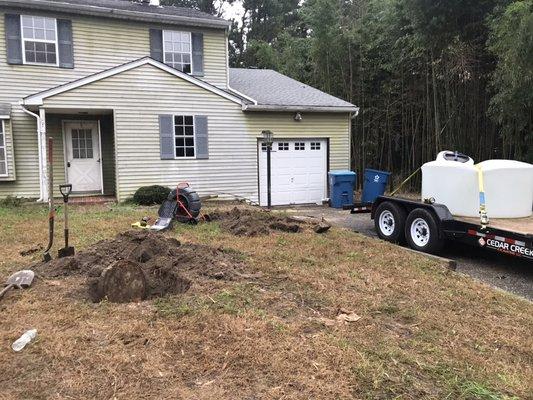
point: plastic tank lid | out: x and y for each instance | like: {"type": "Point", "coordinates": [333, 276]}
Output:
{"type": "Point", "coordinates": [342, 172]}
{"type": "Point", "coordinates": [503, 164]}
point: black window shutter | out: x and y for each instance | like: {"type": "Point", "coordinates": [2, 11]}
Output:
{"type": "Point", "coordinates": [201, 137]}
{"type": "Point", "coordinates": [13, 39]}
{"type": "Point", "coordinates": [66, 46]}
{"type": "Point", "coordinates": [166, 137]}
{"type": "Point", "coordinates": [197, 53]}
{"type": "Point", "coordinates": [156, 44]}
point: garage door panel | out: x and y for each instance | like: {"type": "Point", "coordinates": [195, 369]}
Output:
{"type": "Point", "coordinates": [298, 176]}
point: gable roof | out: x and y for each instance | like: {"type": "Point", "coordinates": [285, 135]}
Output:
{"type": "Point", "coordinates": [273, 91]}
{"type": "Point", "coordinates": [38, 98]}
{"type": "Point", "coordinates": [125, 9]}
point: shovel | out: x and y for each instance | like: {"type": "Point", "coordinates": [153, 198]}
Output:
{"type": "Point", "coordinates": [67, 250]}
{"type": "Point", "coordinates": [20, 280]}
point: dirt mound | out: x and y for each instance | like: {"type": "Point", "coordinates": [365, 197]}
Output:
{"type": "Point", "coordinates": [244, 222]}
{"type": "Point", "coordinates": [168, 266]}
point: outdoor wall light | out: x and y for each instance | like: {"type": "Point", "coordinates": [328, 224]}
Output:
{"type": "Point", "coordinates": [268, 138]}
{"type": "Point", "coordinates": [298, 117]}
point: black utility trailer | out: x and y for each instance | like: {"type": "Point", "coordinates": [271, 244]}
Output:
{"type": "Point", "coordinates": [427, 226]}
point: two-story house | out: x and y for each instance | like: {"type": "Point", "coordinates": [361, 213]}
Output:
{"type": "Point", "coordinates": [137, 94]}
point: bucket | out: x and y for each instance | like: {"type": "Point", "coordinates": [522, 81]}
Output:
{"type": "Point", "coordinates": [374, 184]}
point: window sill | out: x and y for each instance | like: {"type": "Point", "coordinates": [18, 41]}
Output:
{"type": "Point", "coordinates": [39, 65]}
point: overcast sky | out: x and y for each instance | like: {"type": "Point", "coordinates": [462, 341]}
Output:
{"type": "Point", "coordinates": [233, 11]}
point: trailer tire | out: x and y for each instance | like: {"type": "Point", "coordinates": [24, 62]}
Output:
{"type": "Point", "coordinates": [389, 221]}
{"type": "Point", "coordinates": [190, 200]}
{"type": "Point", "coordinates": [422, 232]}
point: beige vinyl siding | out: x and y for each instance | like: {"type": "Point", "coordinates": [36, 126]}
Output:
{"type": "Point", "coordinates": [99, 44]}
{"type": "Point", "coordinates": [139, 96]}
{"type": "Point", "coordinates": [335, 127]}
{"type": "Point", "coordinates": [8, 142]}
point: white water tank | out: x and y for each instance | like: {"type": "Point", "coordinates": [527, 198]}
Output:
{"type": "Point", "coordinates": [452, 180]}
{"type": "Point", "coordinates": [508, 188]}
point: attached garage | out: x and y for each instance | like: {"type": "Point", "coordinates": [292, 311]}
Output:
{"type": "Point", "coordinates": [298, 171]}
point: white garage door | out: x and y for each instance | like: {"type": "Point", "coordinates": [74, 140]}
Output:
{"type": "Point", "coordinates": [299, 172]}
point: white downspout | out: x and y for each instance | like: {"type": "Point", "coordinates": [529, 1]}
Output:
{"type": "Point", "coordinates": [42, 156]}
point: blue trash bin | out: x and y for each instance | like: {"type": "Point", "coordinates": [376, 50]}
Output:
{"type": "Point", "coordinates": [374, 184]}
{"type": "Point", "coordinates": [341, 186]}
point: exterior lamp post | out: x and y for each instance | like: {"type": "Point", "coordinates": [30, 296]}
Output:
{"type": "Point", "coordinates": [268, 137]}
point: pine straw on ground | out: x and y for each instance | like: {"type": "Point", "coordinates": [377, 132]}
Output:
{"type": "Point", "coordinates": [424, 333]}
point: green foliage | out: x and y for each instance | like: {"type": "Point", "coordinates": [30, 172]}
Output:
{"type": "Point", "coordinates": [149, 195]}
{"type": "Point", "coordinates": [11, 202]}
{"type": "Point", "coordinates": [512, 105]}
{"type": "Point", "coordinates": [213, 7]}
{"type": "Point", "coordinates": [261, 54]}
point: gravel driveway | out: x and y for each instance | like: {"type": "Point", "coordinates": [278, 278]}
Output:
{"type": "Point", "coordinates": [506, 273]}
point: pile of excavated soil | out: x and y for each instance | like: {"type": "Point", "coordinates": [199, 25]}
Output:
{"type": "Point", "coordinates": [245, 222]}
{"type": "Point", "coordinates": [168, 266]}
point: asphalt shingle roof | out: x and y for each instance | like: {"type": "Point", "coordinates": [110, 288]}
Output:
{"type": "Point", "coordinates": [120, 9]}
{"type": "Point", "coordinates": [270, 88]}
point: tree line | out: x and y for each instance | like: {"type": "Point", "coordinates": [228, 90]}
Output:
{"type": "Point", "coordinates": [428, 75]}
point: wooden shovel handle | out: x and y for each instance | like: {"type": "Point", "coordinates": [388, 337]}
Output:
{"type": "Point", "coordinates": [5, 290]}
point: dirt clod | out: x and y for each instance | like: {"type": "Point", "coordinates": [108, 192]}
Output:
{"type": "Point", "coordinates": [113, 267]}
{"type": "Point", "coordinates": [322, 227]}
{"type": "Point", "coordinates": [31, 250]}
{"type": "Point", "coordinates": [245, 222]}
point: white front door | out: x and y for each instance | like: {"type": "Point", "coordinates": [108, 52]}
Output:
{"type": "Point", "coordinates": [298, 172]}
{"type": "Point", "coordinates": [82, 145]}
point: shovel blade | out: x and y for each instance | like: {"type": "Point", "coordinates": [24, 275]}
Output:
{"type": "Point", "coordinates": [22, 278]}
{"type": "Point", "coordinates": [65, 252]}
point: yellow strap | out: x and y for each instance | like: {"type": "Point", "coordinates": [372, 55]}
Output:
{"type": "Point", "coordinates": [482, 207]}
{"type": "Point", "coordinates": [405, 181]}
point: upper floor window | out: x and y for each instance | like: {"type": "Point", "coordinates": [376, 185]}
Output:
{"type": "Point", "coordinates": [177, 50]}
{"type": "Point", "coordinates": [39, 38]}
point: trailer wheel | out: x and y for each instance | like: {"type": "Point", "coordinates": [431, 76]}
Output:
{"type": "Point", "coordinates": [422, 231]}
{"type": "Point", "coordinates": [389, 221]}
{"type": "Point", "coordinates": [190, 200]}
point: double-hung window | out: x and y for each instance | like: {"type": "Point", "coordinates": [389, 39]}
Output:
{"type": "Point", "coordinates": [177, 50]}
{"type": "Point", "coordinates": [3, 154]}
{"type": "Point", "coordinates": [184, 136]}
{"type": "Point", "coordinates": [39, 38]}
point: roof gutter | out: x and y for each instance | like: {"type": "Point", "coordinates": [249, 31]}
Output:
{"type": "Point", "coordinates": [260, 107]}
{"type": "Point", "coordinates": [41, 140]}
{"type": "Point", "coordinates": [87, 9]}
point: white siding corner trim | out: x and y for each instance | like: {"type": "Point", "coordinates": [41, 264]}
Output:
{"type": "Point", "coordinates": [37, 99]}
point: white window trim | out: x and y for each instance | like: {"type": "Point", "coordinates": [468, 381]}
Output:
{"type": "Point", "coordinates": [193, 135]}
{"type": "Point", "coordinates": [190, 48]}
{"type": "Point", "coordinates": [40, 41]}
{"type": "Point", "coordinates": [3, 145]}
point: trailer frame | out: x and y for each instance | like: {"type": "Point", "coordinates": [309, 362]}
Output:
{"type": "Point", "coordinates": [451, 228]}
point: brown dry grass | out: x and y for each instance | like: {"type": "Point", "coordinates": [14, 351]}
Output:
{"type": "Point", "coordinates": [425, 332]}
